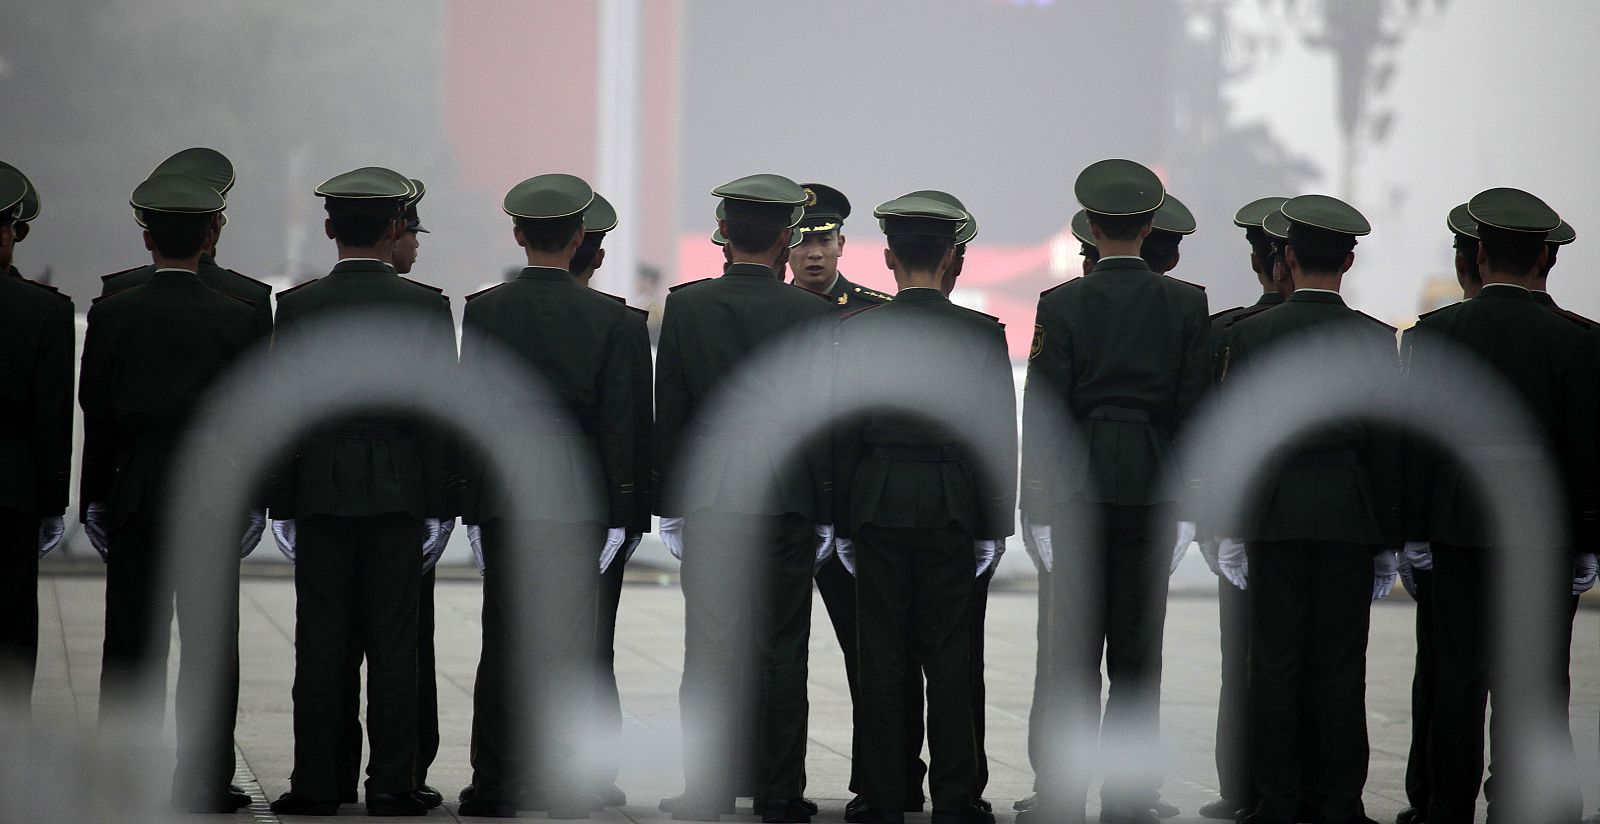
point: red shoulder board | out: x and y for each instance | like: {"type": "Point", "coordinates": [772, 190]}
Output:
{"type": "Point", "coordinates": [250, 279]}
{"type": "Point", "coordinates": [291, 290]}
{"type": "Point", "coordinates": [118, 274]}
{"type": "Point", "coordinates": [1057, 286]}
{"type": "Point", "coordinates": [863, 310]}
{"type": "Point", "coordinates": [1249, 313]}
{"type": "Point", "coordinates": [690, 283]}
{"type": "Point", "coordinates": [483, 291]}
{"type": "Point", "coordinates": [428, 287]}
{"type": "Point", "coordinates": [107, 295]}
{"type": "Point", "coordinates": [1226, 311]}
{"type": "Point", "coordinates": [1185, 282]}
{"type": "Point", "coordinates": [1375, 320]}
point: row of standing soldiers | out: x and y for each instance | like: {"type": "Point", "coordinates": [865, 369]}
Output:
{"type": "Point", "coordinates": [898, 507]}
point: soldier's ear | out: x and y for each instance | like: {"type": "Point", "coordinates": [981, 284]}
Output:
{"type": "Point", "coordinates": [599, 259]}
{"type": "Point", "coordinates": [327, 226]}
{"type": "Point", "coordinates": [1483, 259]}
{"type": "Point", "coordinates": [1349, 261]}
{"type": "Point", "coordinates": [841, 243]}
{"type": "Point", "coordinates": [149, 242]}
{"type": "Point", "coordinates": [888, 259]}
{"type": "Point", "coordinates": [516, 234]}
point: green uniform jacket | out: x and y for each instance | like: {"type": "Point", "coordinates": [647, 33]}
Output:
{"type": "Point", "coordinates": [1120, 359]}
{"type": "Point", "coordinates": [223, 280]}
{"type": "Point", "coordinates": [36, 341]}
{"type": "Point", "coordinates": [1342, 481]}
{"type": "Point", "coordinates": [1227, 317]}
{"type": "Point", "coordinates": [1551, 364]}
{"type": "Point", "coordinates": [897, 469]}
{"type": "Point", "coordinates": [708, 329]}
{"type": "Point", "coordinates": [580, 450]}
{"type": "Point", "coordinates": [379, 462]}
{"type": "Point", "coordinates": [150, 355]}
{"type": "Point", "coordinates": [849, 297]}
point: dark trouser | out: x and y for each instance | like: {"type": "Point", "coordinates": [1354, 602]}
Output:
{"type": "Point", "coordinates": [427, 698]}
{"type": "Point", "coordinates": [838, 589]}
{"type": "Point", "coordinates": [1419, 785]}
{"type": "Point", "coordinates": [608, 701]}
{"type": "Point", "coordinates": [979, 695]}
{"type": "Point", "coordinates": [1233, 702]}
{"type": "Point", "coordinates": [19, 614]}
{"type": "Point", "coordinates": [914, 596]}
{"type": "Point", "coordinates": [1038, 725]}
{"type": "Point", "coordinates": [1109, 597]}
{"type": "Point", "coordinates": [356, 578]}
{"type": "Point", "coordinates": [535, 674]}
{"type": "Point", "coordinates": [140, 594]}
{"type": "Point", "coordinates": [1309, 614]}
{"type": "Point", "coordinates": [1463, 601]}
{"type": "Point", "coordinates": [745, 653]}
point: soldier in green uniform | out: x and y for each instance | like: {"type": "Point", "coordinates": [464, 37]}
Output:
{"type": "Point", "coordinates": [926, 502]}
{"type": "Point", "coordinates": [546, 552]}
{"type": "Point", "coordinates": [361, 535]}
{"type": "Point", "coordinates": [780, 269]}
{"type": "Point", "coordinates": [1563, 235]}
{"type": "Point", "coordinates": [1118, 363]}
{"type": "Point", "coordinates": [1549, 363]}
{"type": "Point", "coordinates": [710, 328]}
{"type": "Point", "coordinates": [215, 170]}
{"type": "Point", "coordinates": [36, 441]}
{"type": "Point", "coordinates": [599, 219]}
{"type": "Point", "coordinates": [150, 354]}
{"type": "Point", "coordinates": [1312, 532]}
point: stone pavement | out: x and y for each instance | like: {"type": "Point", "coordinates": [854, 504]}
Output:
{"type": "Point", "coordinates": [649, 659]}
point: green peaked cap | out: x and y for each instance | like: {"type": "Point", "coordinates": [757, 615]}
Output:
{"type": "Point", "coordinates": [764, 196]}
{"type": "Point", "coordinates": [1080, 228]}
{"type": "Point", "coordinates": [1253, 213]}
{"type": "Point", "coordinates": [369, 188]}
{"type": "Point", "coordinates": [208, 165]}
{"type": "Point", "coordinates": [176, 194]}
{"type": "Point", "coordinates": [1276, 224]}
{"type": "Point", "coordinates": [13, 188]}
{"type": "Point", "coordinates": [1324, 222]}
{"type": "Point", "coordinates": [601, 216]}
{"type": "Point", "coordinates": [825, 208]}
{"type": "Point", "coordinates": [413, 221]}
{"type": "Point", "coordinates": [30, 199]}
{"type": "Point", "coordinates": [547, 197]}
{"type": "Point", "coordinates": [969, 229]}
{"type": "Point", "coordinates": [1513, 210]}
{"type": "Point", "coordinates": [1174, 217]}
{"type": "Point", "coordinates": [1118, 187]}
{"type": "Point", "coordinates": [722, 214]}
{"type": "Point", "coordinates": [1460, 222]}
{"type": "Point", "coordinates": [917, 215]}
{"type": "Point", "coordinates": [1562, 235]}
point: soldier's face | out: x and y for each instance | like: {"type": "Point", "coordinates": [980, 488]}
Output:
{"type": "Point", "coordinates": [405, 252]}
{"type": "Point", "coordinates": [815, 262]}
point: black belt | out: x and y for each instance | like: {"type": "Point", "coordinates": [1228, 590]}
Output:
{"type": "Point", "coordinates": [1119, 414]}
{"type": "Point", "coordinates": [377, 430]}
{"type": "Point", "coordinates": [924, 454]}
{"type": "Point", "coordinates": [1322, 460]}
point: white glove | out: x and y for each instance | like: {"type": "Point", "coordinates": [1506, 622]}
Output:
{"type": "Point", "coordinates": [433, 545]}
{"type": "Point", "coordinates": [283, 533]}
{"type": "Point", "coordinates": [1042, 545]}
{"type": "Point", "coordinates": [252, 532]}
{"type": "Point", "coordinates": [1234, 562]}
{"type": "Point", "coordinates": [1208, 551]}
{"type": "Point", "coordinates": [51, 528]}
{"type": "Point", "coordinates": [824, 546]}
{"type": "Point", "coordinates": [988, 552]}
{"type": "Point", "coordinates": [1583, 573]}
{"type": "Point", "coordinates": [1385, 568]}
{"type": "Point", "coordinates": [630, 546]}
{"type": "Point", "coordinates": [1028, 547]}
{"type": "Point", "coordinates": [1181, 548]}
{"type": "Point", "coordinates": [1420, 554]}
{"type": "Point", "coordinates": [671, 530]}
{"type": "Point", "coordinates": [1408, 578]}
{"type": "Point", "coordinates": [847, 554]}
{"type": "Point", "coordinates": [475, 538]}
{"type": "Point", "coordinates": [615, 536]}
{"type": "Point", "coordinates": [96, 530]}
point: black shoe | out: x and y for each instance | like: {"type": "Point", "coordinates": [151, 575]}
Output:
{"type": "Point", "coordinates": [394, 804]}
{"type": "Point", "coordinates": [293, 803]}
{"type": "Point", "coordinates": [1223, 810]}
{"type": "Point", "coordinates": [970, 814]}
{"type": "Point", "coordinates": [485, 807]}
{"type": "Point", "coordinates": [206, 803]}
{"type": "Point", "coordinates": [1164, 810]}
{"type": "Point", "coordinates": [1412, 815]}
{"type": "Point", "coordinates": [1025, 804]}
{"type": "Point", "coordinates": [785, 811]}
{"type": "Point", "coordinates": [429, 796]}
{"type": "Point", "coordinates": [758, 806]}
{"type": "Point", "coordinates": [610, 795]}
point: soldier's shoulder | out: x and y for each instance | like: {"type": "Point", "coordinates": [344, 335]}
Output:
{"type": "Point", "coordinates": [130, 270]}
{"type": "Point", "coordinates": [250, 282]}
{"type": "Point", "coordinates": [116, 297]}
{"type": "Point", "coordinates": [672, 290]}
{"type": "Point", "coordinates": [298, 290]}
{"type": "Point", "coordinates": [1224, 314]}
{"type": "Point", "coordinates": [485, 291]}
{"type": "Point", "coordinates": [1063, 287]}
{"type": "Point", "coordinates": [43, 290]}
{"type": "Point", "coordinates": [857, 313]}
{"type": "Point", "coordinates": [117, 281]}
{"type": "Point", "coordinates": [1577, 320]}
{"type": "Point", "coordinates": [427, 287]}
{"type": "Point", "coordinates": [862, 293]}
{"type": "Point", "coordinates": [1181, 282]}
{"type": "Point", "coordinates": [981, 318]}
{"type": "Point", "coordinates": [1374, 322]}
{"type": "Point", "coordinates": [1245, 314]}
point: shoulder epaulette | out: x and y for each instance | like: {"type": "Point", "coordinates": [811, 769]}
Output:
{"type": "Point", "coordinates": [242, 299]}
{"type": "Point", "coordinates": [292, 289]}
{"type": "Point", "coordinates": [429, 287]}
{"type": "Point", "coordinates": [642, 313]}
{"type": "Point", "coordinates": [46, 287]}
{"type": "Point", "coordinates": [1375, 320]}
{"type": "Point", "coordinates": [1576, 318]}
{"type": "Point", "coordinates": [690, 283]}
{"type": "Point", "coordinates": [1185, 282]}
{"type": "Point", "coordinates": [1432, 312]}
{"type": "Point", "coordinates": [984, 315]}
{"type": "Point", "coordinates": [1226, 311]}
{"type": "Point", "coordinates": [121, 273]}
{"type": "Point", "coordinates": [484, 291]}
{"type": "Point", "coordinates": [252, 280]}
{"type": "Point", "coordinates": [871, 293]}
{"type": "Point", "coordinates": [1248, 313]}
{"type": "Point", "coordinates": [853, 313]}
{"type": "Point", "coordinates": [618, 298]}
{"type": "Point", "coordinates": [109, 295]}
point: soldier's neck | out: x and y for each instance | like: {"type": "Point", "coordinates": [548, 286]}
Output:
{"type": "Point", "coordinates": [918, 280]}
{"type": "Point", "coordinates": [547, 260]}
{"type": "Point", "coordinates": [191, 264]}
{"type": "Point", "coordinates": [1526, 280]}
{"type": "Point", "coordinates": [378, 251]}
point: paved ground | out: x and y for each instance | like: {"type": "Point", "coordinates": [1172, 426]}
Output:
{"type": "Point", "coordinates": [649, 657]}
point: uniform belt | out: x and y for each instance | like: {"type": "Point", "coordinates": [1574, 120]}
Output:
{"type": "Point", "coordinates": [924, 454]}
{"type": "Point", "coordinates": [1120, 414]}
{"type": "Point", "coordinates": [1497, 453]}
{"type": "Point", "coordinates": [378, 430]}
{"type": "Point", "coordinates": [1322, 460]}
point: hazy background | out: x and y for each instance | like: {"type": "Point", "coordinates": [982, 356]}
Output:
{"type": "Point", "coordinates": [1405, 107]}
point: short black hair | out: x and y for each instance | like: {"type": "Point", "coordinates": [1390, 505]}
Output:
{"type": "Point", "coordinates": [1508, 253]}
{"type": "Point", "coordinates": [1467, 247]}
{"type": "Point", "coordinates": [919, 253]}
{"type": "Point", "coordinates": [177, 236]}
{"type": "Point", "coordinates": [1314, 258]}
{"type": "Point", "coordinates": [751, 234]}
{"type": "Point", "coordinates": [1260, 242]}
{"type": "Point", "coordinates": [1160, 250]}
{"type": "Point", "coordinates": [360, 227]}
{"type": "Point", "coordinates": [549, 234]}
{"type": "Point", "coordinates": [586, 251]}
{"type": "Point", "coordinates": [1121, 227]}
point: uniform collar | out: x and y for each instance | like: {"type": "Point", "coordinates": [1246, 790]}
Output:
{"type": "Point", "coordinates": [1269, 299]}
{"type": "Point", "coordinates": [549, 273]}
{"type": "Point", "coordinates": [361, 265]}
{"type": "Point", "coordinates": [1505, 291]}
{"type": "Point", "coordinates": [1316, 296]}
{"type": "Point", "coordinates": [174, 276]}
{"type": "Point", "coordinates": [1543, 298]}
{"type": "Point", "coordinates": [920, 293]}
{"type": "Point", "coordinates": [1124, 263]}
{"type": "Point", "coordinates": [840, 285]}
{"type": "Point", "coordinates": [750, 269]}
